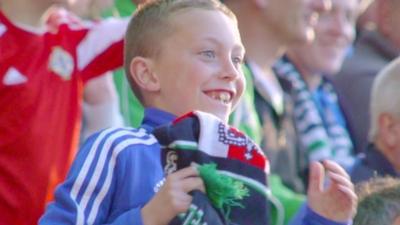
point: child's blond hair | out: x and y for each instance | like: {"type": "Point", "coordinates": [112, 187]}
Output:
{"type": "Point", "coordinates": [150, 25]}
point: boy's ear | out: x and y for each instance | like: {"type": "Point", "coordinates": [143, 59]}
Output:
{"type": "Point", "coordinates": [386, 125]}
{"type": "Point", "coordinates": [142, 73]}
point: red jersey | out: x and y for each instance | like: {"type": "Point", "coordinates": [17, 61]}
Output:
{"type": "Point", "coordinates": [41, 82]}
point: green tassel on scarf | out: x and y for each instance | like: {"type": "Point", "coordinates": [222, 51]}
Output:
{"type": "Point", "coordinates": [223, 191]}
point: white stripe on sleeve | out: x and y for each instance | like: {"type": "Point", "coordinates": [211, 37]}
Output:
{"type": "Point", "coordinates": [99, 38]}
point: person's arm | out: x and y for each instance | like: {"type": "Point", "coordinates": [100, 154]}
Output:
{"type": "Point", "coordinates": [100, 106]}
{"type": "Point", "coordinates": [334, 204]}
{"type": "Point", "coordinates": [101, 49]}
{"type": "Point", "coordinates": [313, 218]}
{"type": "Point", "coordinates": [87, 194]}
{"type": "Point", "coordinates": [98, 45]}
{"type": "Point", "coordinates": [104, 180]}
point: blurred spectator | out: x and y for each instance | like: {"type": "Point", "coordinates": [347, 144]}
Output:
{"type": "Point", "coordinates": [130, 108]}
{"type": "Point", "coordinates": [267, 29]}
{"type": "Point", "coordinates": [100, 106]}
{"type": "Point", "coordinates": [372, 51]}
{"type": "Point", "coordinates": [379, 202]}
{"type": "Point", "coordinates": [320, 123]}
{"type": "Point", "coordinates": [367, 16]}
{"type": "Point", "coordinates": [266, 35]}
{"type": "Point", "coordinates": [47, 55]}
{"type": "Point", "coordinates": [382, 156]}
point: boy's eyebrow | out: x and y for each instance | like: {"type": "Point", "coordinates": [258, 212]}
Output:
{"type": "Point", "coordinates": [237, 46]}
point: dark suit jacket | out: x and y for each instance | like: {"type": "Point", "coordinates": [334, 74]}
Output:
{"type": "Point", "coordinates": [370, 164]}
{"type": "Point", "coordinates": [353, 83]}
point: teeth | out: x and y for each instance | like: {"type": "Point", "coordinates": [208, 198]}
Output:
{"type": "Point", "coordinates": [224, 97]}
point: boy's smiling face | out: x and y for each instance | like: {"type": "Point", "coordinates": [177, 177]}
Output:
{"type": "Point", "coordinates": [199, 65]}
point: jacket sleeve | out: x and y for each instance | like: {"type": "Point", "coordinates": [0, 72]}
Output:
{"type": "Point", "coordinates": [312, 218]}
{"type": "Point", "coordinates": [101, 49]}
{"type": "Point", "coordinates": [86, 196]}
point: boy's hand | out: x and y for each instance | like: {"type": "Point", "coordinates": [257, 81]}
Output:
{"type": "Point", "coordinates": [337, 201]}
{"type": "Point", "coordinates": [173, 197]}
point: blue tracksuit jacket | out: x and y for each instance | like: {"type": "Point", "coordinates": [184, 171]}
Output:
{"type": "Point", "coordinates": [114, 175]}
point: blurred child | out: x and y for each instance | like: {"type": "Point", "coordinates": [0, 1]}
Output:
{"type": "Point", "coordinates": [47, 55]}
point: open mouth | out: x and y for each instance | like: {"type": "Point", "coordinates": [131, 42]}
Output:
{"type": "Point", "coordinates": [224, 97]}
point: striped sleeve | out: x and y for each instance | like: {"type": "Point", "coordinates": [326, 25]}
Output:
{"type": "Point", "coordinates": [3, 29]}
{"type": "Point", "coordinates": [101, 49]}
{"type": "Point", "coordinates": [86, 197]}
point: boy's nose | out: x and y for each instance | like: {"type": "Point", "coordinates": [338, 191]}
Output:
{"type": "Point", "coordinates": [230, 71]}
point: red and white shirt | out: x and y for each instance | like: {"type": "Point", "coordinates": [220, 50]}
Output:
{"type": "Point", "coordinates": [42, 74]}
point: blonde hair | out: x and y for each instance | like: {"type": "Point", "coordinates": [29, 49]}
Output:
{"type": "Point", "coordinates": [150, 25]}
{"type": "Point", "coordinates": [378, 201]}
{"type": "Point", "coordinates": [385, 95]}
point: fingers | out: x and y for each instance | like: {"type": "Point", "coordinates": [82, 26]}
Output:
{"type": "Point", "coordinates": [179, 184]}
{"type": "Point", "coordinates": [180, 202]}
{"type": "Point", "coordinates": [173, 197]}
{"type": "Point", "coordinates": [192, 183]}
{"type": "Point", "coordinates": [186, 179]}
{"type": "Point", "coordinates": [348, 192]}
{"type": "Point", "coordinates": [336, 201]}
{"type": "Point", "coordinates": [335, 172]}
{"type": "Point", "coordinates": [316, 179]}
{"type": "Point", "coordinates": [339, 176]}
{"type": "Point", "coordinates": [343, 184]}
{"type": "Point", "coordinates": [335, 168]}
{"type": "Point", "coordinates": [339, 179]}
{"type": "Point", "coordinates": [189, 171]}
{"type": "Point", "coordinates": [166, 204]}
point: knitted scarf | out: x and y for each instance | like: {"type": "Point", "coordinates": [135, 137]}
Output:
{"type": "Point", "coordinates": [232, 167]}
{"type": "Point", "coordinates": [319, 133]}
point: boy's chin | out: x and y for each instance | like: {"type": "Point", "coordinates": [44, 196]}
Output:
{"type": "Point", "coordinates": [222, 116]}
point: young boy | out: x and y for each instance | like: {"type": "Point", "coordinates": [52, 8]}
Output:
{"type": "Point", "coordinates": [180, 56]}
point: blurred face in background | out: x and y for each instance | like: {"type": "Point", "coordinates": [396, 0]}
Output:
{"type": "Point", "coordinates": [89, 8]}
{"type": "Point", "coordinates": [334, 33]}
{"type": "Point", "coordinates": [294, 20]}
{"type": "Point", "coordinates": [389, 20]}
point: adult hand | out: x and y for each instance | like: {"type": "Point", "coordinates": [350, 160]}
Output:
{"type": "Point", "coordinates": [337, 201]}
{"type": "Point", "coordinates": [173, 197]}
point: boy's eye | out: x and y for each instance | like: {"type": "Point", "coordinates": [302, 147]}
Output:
{"type": "Point", "coordinates": [237, 60]}
{"type": "Point", "coordinates": [209, 54]}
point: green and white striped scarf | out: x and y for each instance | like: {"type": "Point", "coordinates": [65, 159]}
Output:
{"type": "Point", "coordinates": [331, 141]}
